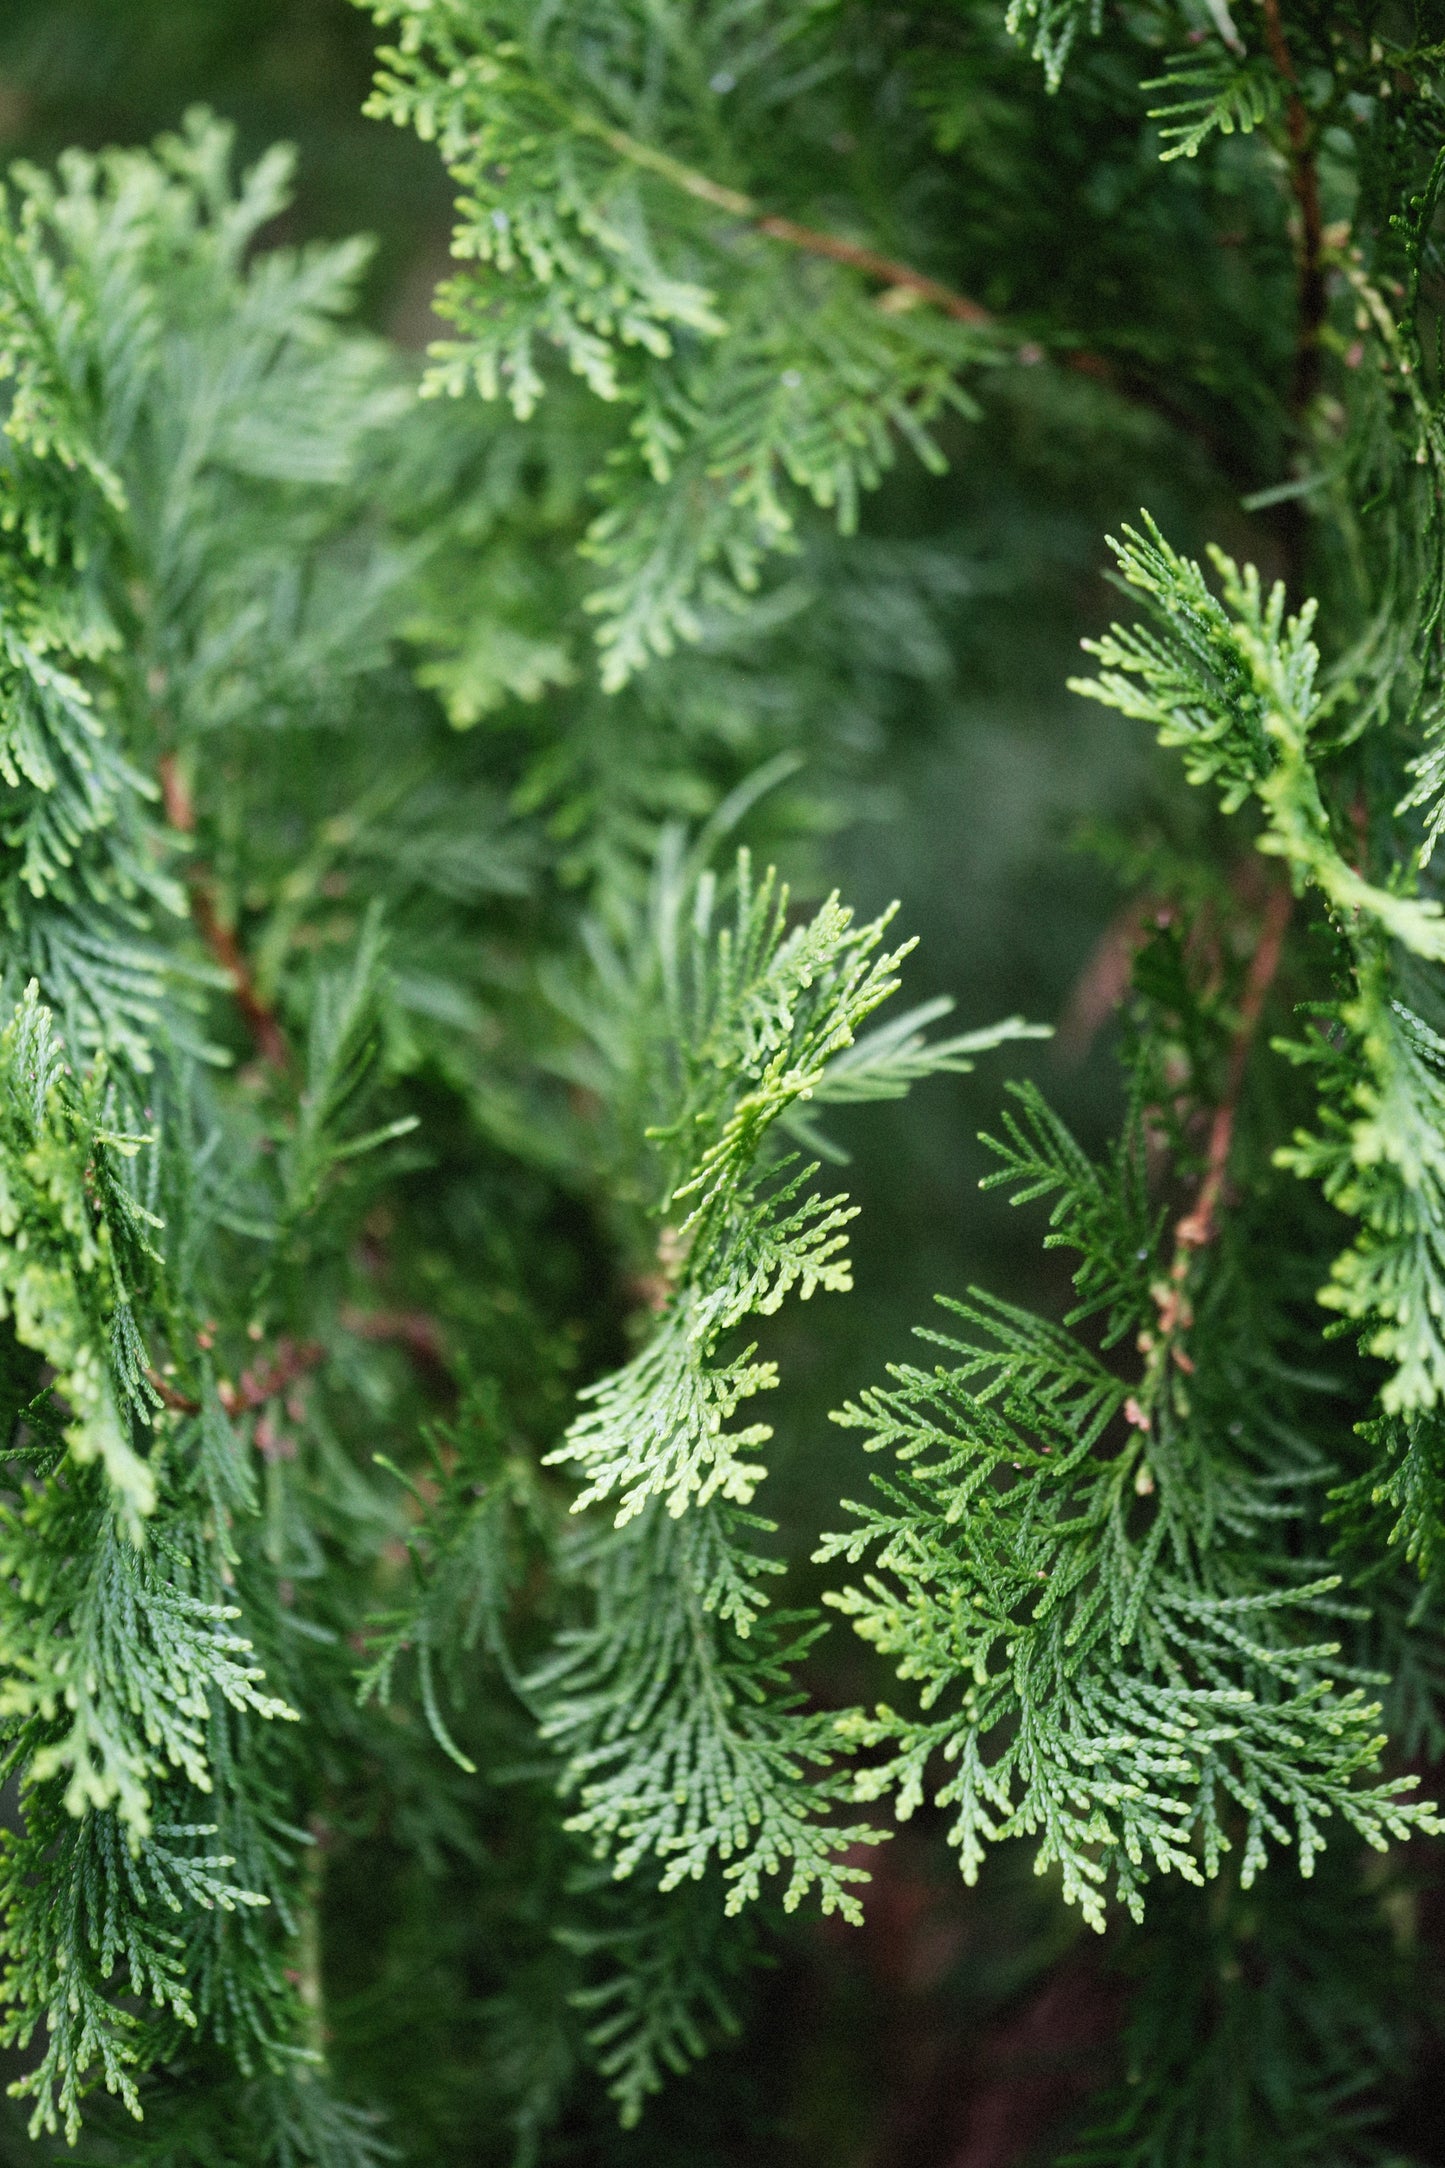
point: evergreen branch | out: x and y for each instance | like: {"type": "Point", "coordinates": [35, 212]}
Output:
{"type": "Point", "coordinates": [905, 285]}
{"type": "Point", "coordinates": [1263, 2027]}
{"type": "Point", "coordinates": [1231, 684]}
{"type": "Point", "coordinates": [1377, 1155]}
{"type": "Point", "coordinates": [745, 388]}
{"type": "Point", "coordinates": [67, 1264]}
{"type": "Point", "coordinates": [899, 278]}
{"type": "Point", "coordinates": [1126, 1683]}
{"type": "Point", "coordinates": [755, 1014]}
{"type": "Point", "coordinates": [183, 422]}
{"type": "Point", "coordinates": [665, 1995]}
{"type": "Point", "coordinates": [674, 1705]}
{"type": "Point", "coordinates": [1098, 1548]}
{"type": "Point", "coordinates": [1220, 96]}
{"type": "Point", "coordinates": [1104, 1213]}
{"type": "Point", "coordinates": [682, 1732]}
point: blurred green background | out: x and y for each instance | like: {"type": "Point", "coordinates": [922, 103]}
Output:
{"type": "Point", "coordinates": [955, 2026]}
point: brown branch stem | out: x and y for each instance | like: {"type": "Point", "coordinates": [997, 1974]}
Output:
{"type": "Point", "coordinates": [260, 1020]}
{"type": "Point", "coordinates": [1305, 187]}
{"type": "Point", "coordinates": [902, 279]}
{"type": "Point", "coordinates": [257, 1385]}
{"type": "Point", "coordinates": [1199, 1226]}
{"type": "Point", "coordinates": [898, 277]}
{"type": "Point", "coordinates": [414, 1331]}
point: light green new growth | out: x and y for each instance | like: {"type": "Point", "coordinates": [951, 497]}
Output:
{"type": "Point", "coordinates": [683, 1733]}
{"type": "Point", "coordinates": [1213, 91]}
{"type": "Point", "coordinates": [1051, 26]}
{"type": "Point", "coordinates": [1233, 685]}
{"type": "Point", "coordinates": [756, 1021]}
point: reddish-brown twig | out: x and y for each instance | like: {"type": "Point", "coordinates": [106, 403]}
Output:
{"type": "Point", "coordinates": [419, 1335]}
{"type": "Point", "coordinates": [171, 1397]}
{"type": "Point", "coordinates": [260, 1019]}
{"type": "Point", "coordinates": [1104, 980]}
{"type": "Point", "coordinates": [1200, 1224]}
{"type": "Point", "coordinates": [1305, 187]}
{"type": "Point", "coordinates": [260, 1383]}
{"type": "Point", "coordinates": [900, 278]}
{"type": "Point", "coordinates": [1198, 1227]}
{"type": "Point", "coordinates": [414, 1330]}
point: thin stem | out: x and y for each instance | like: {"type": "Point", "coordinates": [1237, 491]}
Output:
{"type": "Point", "coordinates": [260, 1020]}
{"type": "Point", "coordinates": [901, 277]}
{"type": "Point", "coordinates": [1305, 187]}
{"type": "Point", "coordinates": [1200, 1226]}
{"type": "Point", "coordinates": [306, 1975]}
{"type": "Point", "coordinates": [417, 1333]}
{"type": "Point", "coordinates": [257, 1385]}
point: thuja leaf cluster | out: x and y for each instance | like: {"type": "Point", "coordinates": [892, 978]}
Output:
{"type": "Point", "coordinates": [421, 1089]}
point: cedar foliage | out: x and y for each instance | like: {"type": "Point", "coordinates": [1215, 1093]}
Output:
{"type": "Point", "coordinates": [416, 1084]}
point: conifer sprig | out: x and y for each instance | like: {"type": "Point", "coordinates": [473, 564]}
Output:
{"type": "Point", "coordinates": [674, 1705]}
{"type": "Point", "coordinates": [182, 425]}
{"type": "Point", "coordinates": [1233, 685]}
{"type": "Point", "coordinates": [1146, 1674]}
{"type": "Point", "coordinates": [598, 150]}
{"type": "Point", "coordinates": [752, 1013]}
{"type": "Point", "coordinates": [1230, 683]}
